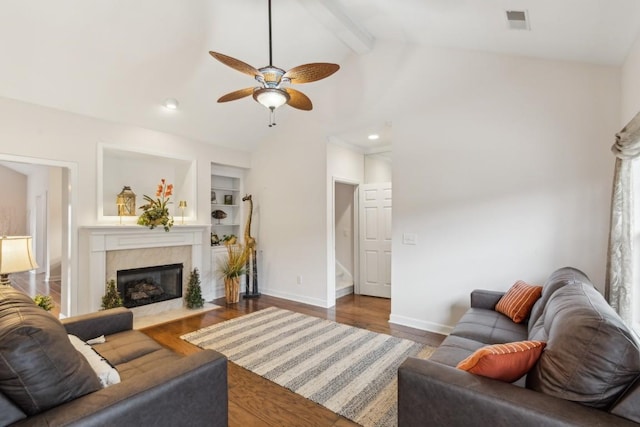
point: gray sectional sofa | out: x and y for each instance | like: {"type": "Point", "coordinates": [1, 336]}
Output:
{"type": "Point", "coordinates": [45, 381]}
{"type": "Point", "coordinates": [588, 374]}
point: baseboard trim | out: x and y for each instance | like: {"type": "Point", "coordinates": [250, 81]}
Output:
{"type": "Point", "coordinates": [347, 290]}
{"type": "Point", "coordinates": [219, 293]}
{"type": "Point", "coordinates": [297, 298]}
{"type": "Point", "coordinates": [420, 324]}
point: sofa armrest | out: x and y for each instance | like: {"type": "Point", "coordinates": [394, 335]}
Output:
{"type": "Point", "coordinates": [188, 392]}
{"type": "Point", "coordinates": [481, 298]}
{"type": "Point", "coordinates": [105, 322]}
{"type": "Point", "coordinates": [430, 393]}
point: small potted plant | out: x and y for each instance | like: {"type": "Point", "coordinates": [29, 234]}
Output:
{"type": "Point", "coordinates": [230, 269]}
{"type": "Point", "coordinates": [194, 298]}
{"type": "Point", "coordinates": [111, 298]}
{"type": "Point", "coordinates": [44, 301]}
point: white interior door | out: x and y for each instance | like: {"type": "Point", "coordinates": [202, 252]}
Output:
{"type": "Point", "coordinates": [375, 239]}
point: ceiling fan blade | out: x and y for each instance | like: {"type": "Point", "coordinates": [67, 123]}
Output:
{"type": "Point", "coordinates": [311, 72]}
{"type": "Point", "coordinates": [236, 64]}
{"type": "Point", "coordinates": [232, 96]}
{"type": "Point", "coordinates": [298, 99]}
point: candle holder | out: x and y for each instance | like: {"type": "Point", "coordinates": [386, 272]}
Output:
{"type": "Point", "coordinates": [182, 205]}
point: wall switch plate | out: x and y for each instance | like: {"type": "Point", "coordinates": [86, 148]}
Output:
{"type": "Point", "coordinates": [409, 239]}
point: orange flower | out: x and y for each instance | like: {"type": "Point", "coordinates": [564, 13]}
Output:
{"type": "Point", "coordinates": [159, 191]}
{"type": "Point", "coordinates": [169, 191]}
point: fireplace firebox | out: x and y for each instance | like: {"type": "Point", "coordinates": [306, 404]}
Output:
{"type": "Point", "coordinates": [148, 285]}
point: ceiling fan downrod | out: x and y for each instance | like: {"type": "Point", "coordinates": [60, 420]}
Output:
{"type": "Point", "coordinates": [270, 49]}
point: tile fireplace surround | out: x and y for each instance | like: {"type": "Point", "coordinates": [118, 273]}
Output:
{"type": "Point", "coordinates": [111, 248]}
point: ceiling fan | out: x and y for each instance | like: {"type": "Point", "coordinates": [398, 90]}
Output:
{"type": "Point", "coordinates": [273, 91]}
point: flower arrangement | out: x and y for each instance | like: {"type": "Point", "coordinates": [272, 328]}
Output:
{"type": "Point", "coordinates": [156, 212]}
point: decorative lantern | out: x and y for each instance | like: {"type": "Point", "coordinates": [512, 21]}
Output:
{"type": "Point", "coordinates": [126, 202]}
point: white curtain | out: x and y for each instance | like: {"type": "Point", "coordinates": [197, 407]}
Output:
{"type": "Point", "coordinates": [619, 280]}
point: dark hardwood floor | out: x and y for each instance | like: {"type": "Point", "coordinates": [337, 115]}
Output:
{"type": "Point", "coordinates": [253, 400]}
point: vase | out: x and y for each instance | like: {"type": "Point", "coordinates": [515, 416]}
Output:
{"type": "Point", "coordinates": [232, 289]}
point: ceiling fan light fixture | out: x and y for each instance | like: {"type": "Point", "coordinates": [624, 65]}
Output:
{"type": "Point", "coordinates": [271, 98]}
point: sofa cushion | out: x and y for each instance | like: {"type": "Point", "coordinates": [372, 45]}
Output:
{"type": "Point", "coordinates": [517, 302]}
{"type": "Point", "coordinates": [39, 368]}
{"type": "Point", "coordinates": [505, 362]}
{"type": "Point", "coordinates": [591, 356]}
{"type": "Point", "coordinates": [489, 327]}
{"type": "Point", "coordinates": [125, 346]}
{"type": "Point", "coordinates": [150, 361]}
{"type": "Point", "coordinates": [455, 349]}
{"type": "Point", "coordinates": [559, 278]}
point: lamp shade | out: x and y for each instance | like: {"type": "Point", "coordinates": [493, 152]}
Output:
{"type": "Point", "coordinates": [16, 254]}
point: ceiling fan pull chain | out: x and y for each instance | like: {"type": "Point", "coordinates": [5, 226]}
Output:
{"type": "Point", "coordinates": [272, 116]}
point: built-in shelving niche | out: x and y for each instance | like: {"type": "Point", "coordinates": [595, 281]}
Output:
{"type": "Point", "coordinates": [142, 171]}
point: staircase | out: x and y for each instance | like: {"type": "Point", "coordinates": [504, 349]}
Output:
{"type": "Point", "coordinates": [344, 281]}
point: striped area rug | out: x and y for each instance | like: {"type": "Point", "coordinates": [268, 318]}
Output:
{"type": "Point", "coordinates": [350, 371]}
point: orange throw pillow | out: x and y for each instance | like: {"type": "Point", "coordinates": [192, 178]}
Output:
{"type": "Point", "coordinates": [504, 362]}
{"type": "Point", "coordinates": [518, 301]}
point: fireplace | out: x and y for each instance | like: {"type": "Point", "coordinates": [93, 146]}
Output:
{"type": "Point", "coordinates": [148, 285]}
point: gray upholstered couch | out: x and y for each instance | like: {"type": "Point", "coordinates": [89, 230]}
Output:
{"type": "Point", "coordinates": [45, 381]}
{"type": "Point", "coordinates": [588, 373]}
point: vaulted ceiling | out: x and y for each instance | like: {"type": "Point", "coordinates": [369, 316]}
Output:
{"type": "Point", "coordinates": [120, 59]}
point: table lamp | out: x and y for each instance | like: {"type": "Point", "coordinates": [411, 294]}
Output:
{"type": "Point", "coordinates": [15, 256]}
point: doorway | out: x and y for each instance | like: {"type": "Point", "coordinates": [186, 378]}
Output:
{"type": "Point", "coordinates": [345, 233]}
{"type": "Point", "coordinates": [50, 220]}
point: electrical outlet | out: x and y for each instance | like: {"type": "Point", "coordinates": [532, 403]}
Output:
{"type": "Point", "coordinates": [299, 280]}
{"type": "Point", "coordinates": [409, 239]}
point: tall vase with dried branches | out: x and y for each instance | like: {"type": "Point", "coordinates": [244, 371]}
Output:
{"type": "Point", "coordinates": [230, 269]}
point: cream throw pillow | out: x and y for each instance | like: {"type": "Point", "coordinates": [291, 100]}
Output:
{"type": "Point", "coordinates": [107, 374]}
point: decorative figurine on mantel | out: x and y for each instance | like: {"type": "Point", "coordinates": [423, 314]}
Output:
{"type": "Point", "coordinates": [251, 270]}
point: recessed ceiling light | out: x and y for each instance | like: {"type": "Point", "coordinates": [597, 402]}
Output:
{"type": "Point", "coordinates": [373, 136]}
{"type": "Point", "coordinates": [171, 104]}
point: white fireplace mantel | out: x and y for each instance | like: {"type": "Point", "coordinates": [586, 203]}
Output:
{"type": "Point", "coordinates": [97, 240]}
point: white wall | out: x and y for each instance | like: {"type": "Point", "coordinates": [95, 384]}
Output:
{"type": "Point", "coordinates": [377, 168]}
{"type": "Point", "coordinates": [42, 133]}
{"type": "Point", "coordinates": [288, 187]}
{"type": "Point", "coordinates": [54, 226]}
{"type": "Point", "coordinates": [503, 171]}
{"type": "Point", "coordinates": [13, 204]}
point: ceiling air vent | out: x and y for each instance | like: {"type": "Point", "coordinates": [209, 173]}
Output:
{"type": "Point", "coordinates": [517, 19]}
